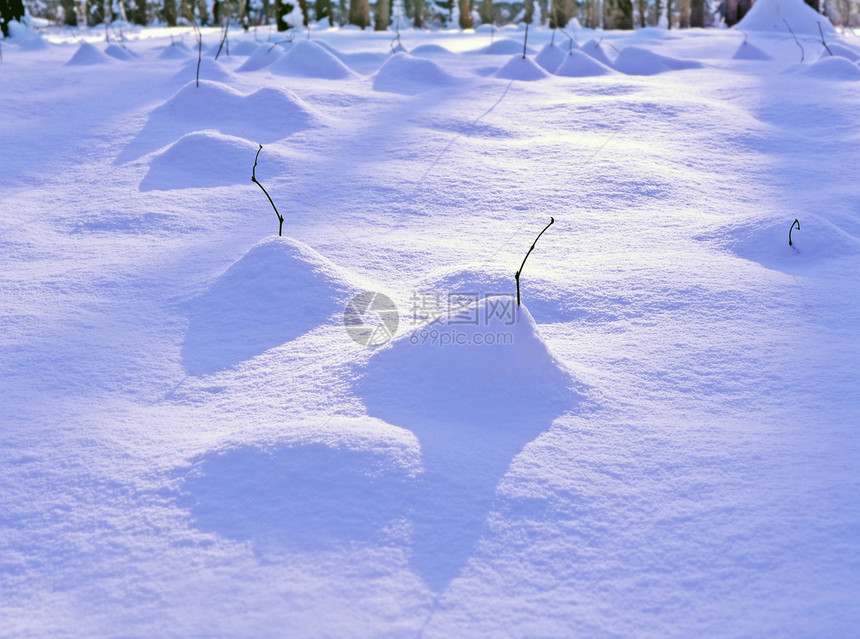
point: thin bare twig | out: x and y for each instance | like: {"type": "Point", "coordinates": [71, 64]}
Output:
{"type": "Point", "coordinates": [802, 52]}
{"type": "Point", "coordinates": [255, 181]}
{"type": "Point", "coordinates": [517, 275]}
{"type": "Point", "coordinates": [821, 31]}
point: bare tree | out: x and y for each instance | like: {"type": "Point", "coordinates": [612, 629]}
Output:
{"type": "Point", "coordinates": [487, 12]}
{"type": "Point", "coordinates": [697, 13]}
{"type": "Point", "coordinates": [736, 10]}
{"type": "Point", "coordinates": [684, 14]}
{"type": "Point", "coordinates": [618, 14]}
{"type": "Point", "coordinates": [466, 14]}
{"type": "Point", "coordinates": [642, 7]}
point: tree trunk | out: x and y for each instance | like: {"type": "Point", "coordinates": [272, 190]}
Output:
{"type": "Point", "coordinates": [303, 5]}
{"type": "Point", "coordinates": [736, 10]}
{"type": "Point", "coordinates": [322, 10]}
{"type": "Point", "coordinates": [558, 17]}
{"type": "Point", "coordinates": [618, 14]}
{"type": "Point", "coordinates": [417, 13]}
{"type": "Point", "coordinates": [138, 16]}
{"type": "Point", "coordinates": [697, 13]}
{"type": "Point", "coordinates": [382, 13]}
{"type": "Point", "coordinates": [655, 16]}
{"type": "Point", "coordinates": [466, 14]}
{"type": "Point", "coordinates": [282, 10]}
{"type": "Point", "coordinates": [668, 14]}
{"type": "Point", "coordinates": [487, 12]}
{"type": "Point", "coordinates": [168, 11]}
{"type": "Point", "coordinates": [625, 15]}
{"type": "Point", "coordinates": [642, 6]}
{"type": "Point", "coordinates": [529, 7]}
{"type": "Point", "coordinates": [684, 14]}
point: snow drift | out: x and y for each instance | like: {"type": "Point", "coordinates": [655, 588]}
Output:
{"type": "Point", "coordinates": [266, 115]}
{"type": "Point", "coordinates": [579, 65]}
{"type": "Point", "coordinates": [307, 59]}
{"type": "Point", "coordinates": [87, 54]}
{"type": "Point", "coordinates": [201, 159]}
{"type": "Point", "coordinates": [279, 290]}
{"type": "Point", "coordinates": [765, 240]}
{"type": "Point", "coordinates": [778, 15]}
{"type": "Point", "coordinates": [405, 74]}
{"type": "Point", "coordinates": [747, 51]}
{"type": "Point", "coordinates": [520, 68]}
{"type": "Point", "coordinates": [833, 68]}
{"type": "Point", "coordinates": [496, 352]}
{"type": "Point", "coordinates": [473, 403]}
{"type": "Point", "coordinates": [639, 61]}
{"type": "Point", "coordinates": [505, 46]}
{"type": "Point", "coordinates": [262, 57]}
{"type": "Point", "coordinates": [595, 50]}
{"type": "Point", "coordinates": [550, 57]}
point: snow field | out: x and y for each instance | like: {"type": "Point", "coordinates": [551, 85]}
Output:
{"type": "Point", "coordinates": [192, 444]}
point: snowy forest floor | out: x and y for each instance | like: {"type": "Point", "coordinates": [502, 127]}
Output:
{"type": "Point", "coordinates": [192, 446]}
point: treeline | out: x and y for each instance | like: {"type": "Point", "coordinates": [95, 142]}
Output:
{"type": "Point", "coordinates": [384, 14]}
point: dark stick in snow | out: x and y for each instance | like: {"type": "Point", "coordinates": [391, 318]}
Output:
{"type": "Point", "coordinates": [797, 222]}
{"type": "Point", "coordinates": [821, 31]}
{"type": "Point", "coordinates": [517, 274]}
{"type": "Point", "coordinates": [526, 41]}
{"type": "Point", "coordinates": [802, 52]}
{"type": "Point", "coordinates": [254, 180]}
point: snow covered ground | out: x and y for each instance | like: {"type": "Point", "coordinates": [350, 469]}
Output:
{"type": "Point", "coordinates": [663, 441]}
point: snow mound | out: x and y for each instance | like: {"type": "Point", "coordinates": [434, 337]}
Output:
{"type": "Point", "coordinates": [765, 240]}
{"type": "Point", "coordinates": [266, 115]}
{"type": "Point", "coordinates": [749, 51]}
{"type": "Point", "coordinates": [179, 44]}
{"type": "Point", "coordinates": [209, 70]}
{"type": "Point", "coordinates": [199, 160]}
{"type": "Point", "coordinates": [405, 74]}
{"type": "Point", "coordinates": [275, 110]}
{"type": "Point", "coordinates": [325, 45]}
{"type": "Point", "coordinates": [639, 61]}
{"type": "Point", "coordinates": [87, 54]}
{"type": "Point", "coordinates": [505, 46]}
{"type": "Point", "coordinates": [595, 50]}
{"type": "Point", "coordinates": [277, 291]}
{"type": "Point", "coordinates": [245, 47]}
{"type": "Point", "coordinates": [833, 68]}
{"type": "Point", "coordinates": [772, 15]}
{"type": "Point", "coordinates": [429, 50]}
{"type": "Point", "coordinates": [262, 57]}
{"type": "Point", "coordinates": [34, 43]}
{"type": "Point", "coordinates": [483, 363]}
{"type": "Point", "coordinates": [550, 57]}
{"type": "Point", "coordinates": [545, 300]}
{"type": "Point", "coordinates": [840, 51]}
{"type": "Point", "coordinates": [175, 52]}
{"type": "Point", "coordinates": [519, 68]}
{"type": "Point", "coordinates": [116, 51]}
{"type": "Point", "coordinates": [579, 65]}
{"type": "Point", "coordinates": [307, 59]}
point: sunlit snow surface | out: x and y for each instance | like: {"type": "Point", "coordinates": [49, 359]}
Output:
{"type": "Point", "coordinates": [193, 446]}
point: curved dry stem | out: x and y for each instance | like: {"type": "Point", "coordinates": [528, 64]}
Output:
{"type": "Point", "coordinates": [517, 274]}
{"type": "Point", "coordinates": [255, 181]}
